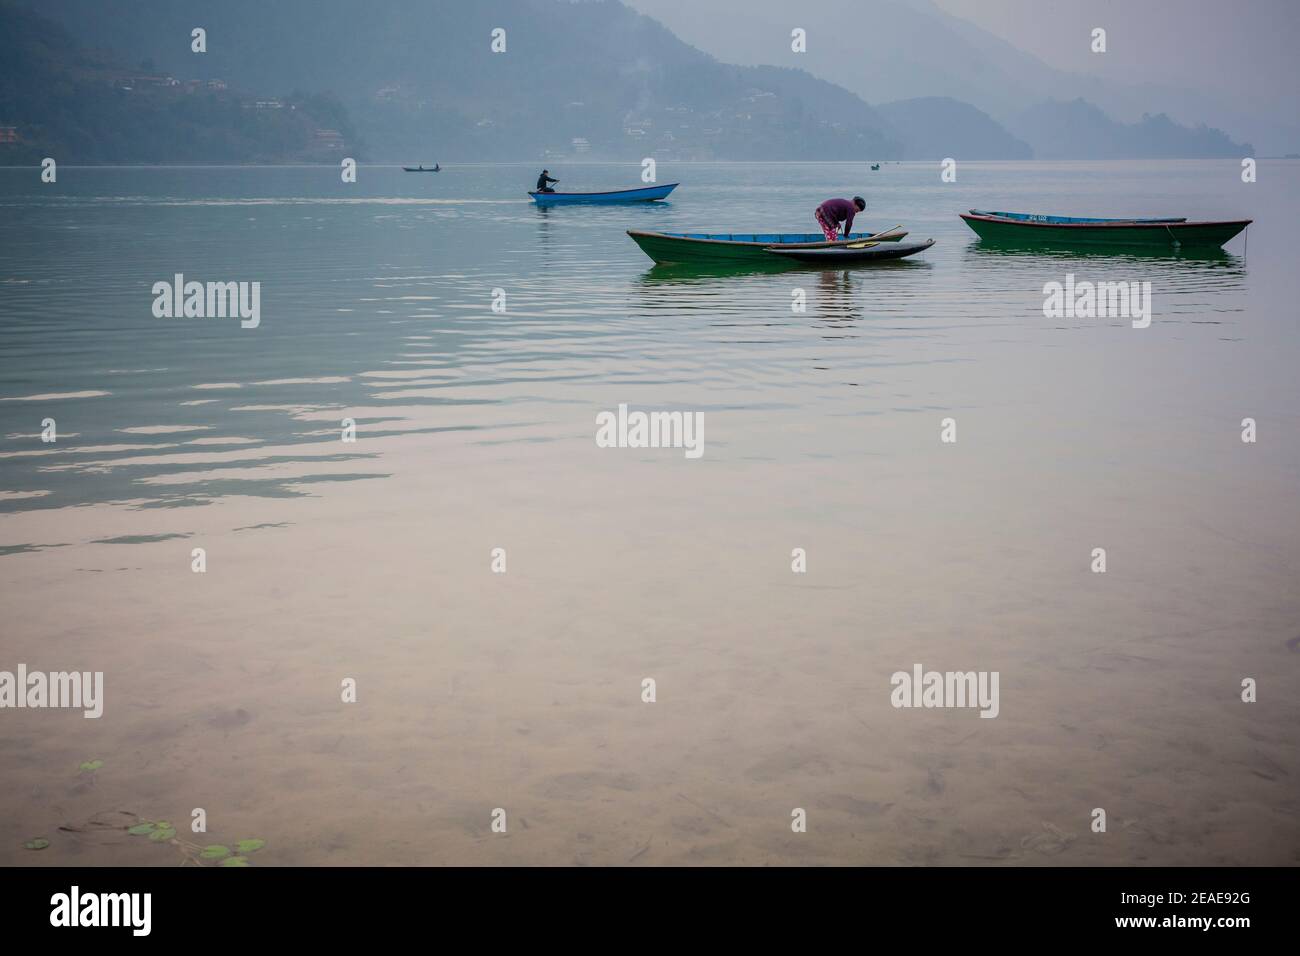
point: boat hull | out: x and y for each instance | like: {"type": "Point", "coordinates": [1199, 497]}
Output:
{"type": "Point", "coordinates": [666, 248]}
{"type": "Point", "coordinates": [645, 194]}
{"type": "Point", "coordinates": [1131, 233]}
{"type": "Point", "coordinates": [835, 257]}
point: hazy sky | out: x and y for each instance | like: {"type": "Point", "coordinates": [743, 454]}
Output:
{"type": "Point", "coordinates": [1236, 45]}
{"type": "Point", "coordinates": [1246, 48]}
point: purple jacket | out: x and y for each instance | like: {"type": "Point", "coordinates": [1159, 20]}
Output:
{"type": "Point", "coordinates": [839, 210]}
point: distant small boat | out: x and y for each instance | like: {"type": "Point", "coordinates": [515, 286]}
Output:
{"type": "Point", "coordinates": [724, 247]}
{"type": "Point", "coordinates": [833, 257]}
{"type": "Point", "coordinates": [875, 165]}
{"type": "Point", "coordinates": [1074, 231]}
{"type": "Point", "coordinates": [641, 194]}
{"type": "Point", "coordinates": [423, 169]}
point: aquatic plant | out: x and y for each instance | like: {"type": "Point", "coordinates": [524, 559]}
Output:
{"type": "Point", "coordinates": [162, 831]}
{"type": "Point", "coordinates": [214, 854]}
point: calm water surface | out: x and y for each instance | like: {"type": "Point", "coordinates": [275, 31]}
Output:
{"type": "Point", "coordinates": [371, 559]}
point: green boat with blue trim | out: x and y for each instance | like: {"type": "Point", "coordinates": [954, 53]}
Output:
{"type": "Point", "coordinates": [1072, 232]}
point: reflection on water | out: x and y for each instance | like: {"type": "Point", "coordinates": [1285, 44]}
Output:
{"type": "Point", "coordinates": [822, 391]}
{"type": "Point", "coordinates": [673, 273]}
{"type": "Point", "coordinates": [1202, 284]}
{"type": "Point", "coordinates": [1043, 256]}
{"type": "Point", "coordinates": [837, 305]}
{"type": "Point", "coordinates": [371, 307]}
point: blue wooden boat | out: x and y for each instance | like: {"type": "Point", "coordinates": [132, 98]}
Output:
{"type": "Point", "coordinates": [643, 194]}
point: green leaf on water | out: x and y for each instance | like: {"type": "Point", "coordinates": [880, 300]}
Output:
{"type": "Point", "coordinates": [40, 843]}
{"type": "Point", "coordinates": [91, 765]}
{"type": "Point", "coordinates": [249, 846]}
{"type": "Point", "coordinates": [162, 834]}
{"type": "Point", "coordinates": [215, 852]}
{"type": "Point", "coordinates": [234, 861]}
{"type": "Point", "coordinates": [140, 829]}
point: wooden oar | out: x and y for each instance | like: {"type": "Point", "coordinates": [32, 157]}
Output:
{"type": "Point", "coordinates": [864, 243]}
{"type": "Point", "coordinates": [886, 232]}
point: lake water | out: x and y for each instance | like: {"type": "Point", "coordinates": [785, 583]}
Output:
{"type": "Point", "coordinates": [372, 560]}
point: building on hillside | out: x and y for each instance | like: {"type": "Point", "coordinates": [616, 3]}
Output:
{"type": "Point", "coordinates": [155, 80]}
{"type": "Point", "coordinates": [329, 138]}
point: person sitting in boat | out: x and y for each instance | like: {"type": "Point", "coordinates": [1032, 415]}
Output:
{"type": "Point", "coordinates": [544, 181]}
{"type": "Point", "coordinates": [832, 212]}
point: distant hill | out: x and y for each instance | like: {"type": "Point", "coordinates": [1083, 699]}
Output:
{"type": "Point", "coordinates": [592, 80]}
{"type": "Point", "coordinates": [86, 107]}
{"type": "Point", "coordinates": [595, 79]}
{"type": "Point", "coordinates": [888, 50]}
{"type": "Point", "coordinates": [934, 127]}
{"type": "Point", "coordinates": [1080, 130]}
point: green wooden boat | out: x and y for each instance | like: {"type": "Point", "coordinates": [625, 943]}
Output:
{"type": "Point", "coordinates": [683, 247]}
{"type": "Point", "coordinates": [1071, 232]}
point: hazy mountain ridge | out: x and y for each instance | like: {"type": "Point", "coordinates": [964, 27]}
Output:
{"type": "Point", "coordinates": [83, 106]}
{"type": "Point", "coordinates": [421, 80]}
{"type": "Point", "coordinates": [1055, 129]}
{"type": "Point", "coordinates": [935, 127]}
{"type": "Point", "coordinates": [1126, 103]}
{"type": "Point", "coordinates": [908, 49]}
{"type": "Point", "coordinates": [591, 80]}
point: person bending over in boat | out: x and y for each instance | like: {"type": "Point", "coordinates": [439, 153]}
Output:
{"type": "Point", "coordinates": [544, 181]}
{"type": "Point", "coordinates": [832, 212]}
